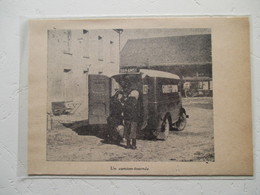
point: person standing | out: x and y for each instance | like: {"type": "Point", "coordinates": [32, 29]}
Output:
{"type": "Point", "coordinates": [131, 118]}
{"type": "Point", "coordinates": [115, 118]}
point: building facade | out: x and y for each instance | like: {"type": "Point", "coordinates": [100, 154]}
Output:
{"type": "Point", "coordinates": [72, 56]}
{"type": "Point", "coordinates": [188, 56]}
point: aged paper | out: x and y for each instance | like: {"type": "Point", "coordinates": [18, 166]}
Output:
{"type": "Point", "coordinates": [193, 73]}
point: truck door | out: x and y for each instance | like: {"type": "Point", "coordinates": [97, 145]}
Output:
{"type": "Point", "coordinates": [99, 96]}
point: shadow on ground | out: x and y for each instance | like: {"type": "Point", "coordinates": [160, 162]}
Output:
{"type": "Point", "coordinates": [84, 129]}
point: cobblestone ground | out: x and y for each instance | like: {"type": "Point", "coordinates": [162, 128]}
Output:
{"type": "Point", "coordinates": [75, 142]}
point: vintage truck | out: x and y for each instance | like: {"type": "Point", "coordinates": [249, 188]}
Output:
{"type": "Point", "coordinates": [160, 97]}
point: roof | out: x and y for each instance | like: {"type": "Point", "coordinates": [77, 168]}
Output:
{"type": "Point", "coordinates": [174, 50]}
{"type": "Point", "coordinates": [156, 73]}
{"type": "Point", "coordinates": [200, 78]}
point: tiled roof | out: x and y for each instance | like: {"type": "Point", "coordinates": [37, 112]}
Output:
{"type": "Point", "coordinates": [175, 50]}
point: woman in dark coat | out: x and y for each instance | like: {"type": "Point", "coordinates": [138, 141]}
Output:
{"type": "Point", "coordinates": [115, 118]}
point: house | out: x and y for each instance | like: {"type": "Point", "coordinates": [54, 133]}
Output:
{"type": "Point", "coordinates": [188, 56]}
{"type": "Point", "coordinates": [72, 56]}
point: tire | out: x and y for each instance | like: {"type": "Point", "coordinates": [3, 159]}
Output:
{"type": "Point", "coordinates": [165, 128]}
{"type": "Point", "coordinates": [181, 123]}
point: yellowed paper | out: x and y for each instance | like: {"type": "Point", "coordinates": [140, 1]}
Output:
{"type": "Point", "coordinates": [58, 146]}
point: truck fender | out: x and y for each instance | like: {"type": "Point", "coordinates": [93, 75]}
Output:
{"type": "Point", "coordinates": [183, 111]}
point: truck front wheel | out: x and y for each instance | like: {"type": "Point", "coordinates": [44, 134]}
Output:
{"type": "Point", "coordinates": [181, 123]}
{"type": "Point", "coordinates": [165, 128]}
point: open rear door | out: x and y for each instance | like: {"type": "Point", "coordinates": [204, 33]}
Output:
{"type": "Point", "coordinates": [99, 97]}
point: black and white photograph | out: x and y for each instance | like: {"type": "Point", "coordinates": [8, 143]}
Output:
{"type": "Point", "coordinates": [130, 95]}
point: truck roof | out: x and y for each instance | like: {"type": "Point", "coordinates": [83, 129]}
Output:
{"type": "Point", "coordinates": [152, 73]}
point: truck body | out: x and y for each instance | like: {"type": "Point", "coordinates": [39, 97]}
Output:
{"type": "Point", "coordinates": [160, 99]}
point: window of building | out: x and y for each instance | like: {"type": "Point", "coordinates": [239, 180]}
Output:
{"type": "Point", "coordinates": [100, 48]}
{"type": "Point", "coordinates": [66, 70]}
{"type": "Point", "coordinates": [112, 50]}
{"type": "Point", "coordinates": [68, 87]}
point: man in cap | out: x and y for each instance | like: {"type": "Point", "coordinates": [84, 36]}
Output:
{"type": "Point", "coordinates": [131, 117]}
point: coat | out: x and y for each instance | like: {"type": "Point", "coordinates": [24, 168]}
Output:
{"type": "Point", "coordinates": [116, 110]}
{"type": "Point", "coordinates": [132, 109]}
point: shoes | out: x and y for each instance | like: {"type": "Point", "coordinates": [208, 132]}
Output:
{"type": "Point", "coordinates": [128, 145]}
{"type": "Point", "coordinates": [134, 147]}
{"type": "Point", "coordinates": [134, 144]}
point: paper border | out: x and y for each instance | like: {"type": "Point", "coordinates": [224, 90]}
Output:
{"type": "Point", "coordinates": [232, 99]}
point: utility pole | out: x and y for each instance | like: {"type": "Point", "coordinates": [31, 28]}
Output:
{"type": "Point", "coordinates": [119, 31]}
